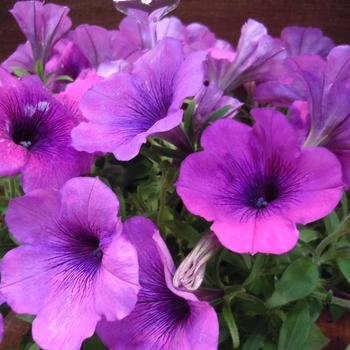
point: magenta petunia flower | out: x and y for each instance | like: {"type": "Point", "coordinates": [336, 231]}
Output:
{"type": "Point", "coordinates": [43, 25]}
{"type": "Point", "coordinates": [257, 58]}
{"type": "Point", "coordinates": [125, 109]}
{"type": "Point", "coordinates": [255, 183]}
{"type": "Point", "coordinates": [73, 265]}
{"type": "Point", "coordinates": [35, 136]}
{"type": "Point", "coordinates": [306, 41]}
{"type": "Point", "coordinates": [164, 317]}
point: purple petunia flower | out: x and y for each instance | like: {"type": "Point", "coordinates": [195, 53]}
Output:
{"type": "Point", "coordinates": [257, 58]}
{"type": "Point", "coordinates": [43, 25]}
{"type": "Point", "coordinates": [256, 183]}
{"type": "Point", "coordinates": [35, 139]}
{"type": "Point", "coordinates": [131, 43]}
{"type": "Point", "coordinates": [125, 109]}
{"type": "Point", "coordinates": [87, 46]}
{"type": "Point", "coordinates": [164, 318]}
{"type": "Point", "coordinates": [73, 265]}
{"type": "Point", "coordinates": [306, 41]}
{"type": "Point", "coordinates": [326, 120]}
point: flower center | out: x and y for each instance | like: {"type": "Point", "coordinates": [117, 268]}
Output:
{"type": "Point", "coordinates": [266, 194]}
{"type": "Point", "coordinates": [24, 135]}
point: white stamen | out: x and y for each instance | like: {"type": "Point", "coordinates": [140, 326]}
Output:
{"type": "Point", "coordinates": [25, 144]}
{"type": "Point", "coordinates": [29, 110]}
{"type": "Point", "coordinates": [43, 106]}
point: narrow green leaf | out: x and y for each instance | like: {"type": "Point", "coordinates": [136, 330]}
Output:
{"type": "Point", "coordinates": [188, 118]}
{"type": "Point", "coordinates": [231, 324]}
{"type": "Point", "coordinates": [298, 281]}
{"type": "Point", "coordinates": [64, 78]}
{"type": "Point", "coordinates": [34, 347]}
{"type": "Point", "coordinates": [316, 340]}
{"type": "Point", "coordinates": [222, 112]}
{"type": "Point", "coordinates": [40, 70]}
{"type": "Point", "coordinates": [295, 328]}
{"type": "Point", "coordinates": [344, 266]}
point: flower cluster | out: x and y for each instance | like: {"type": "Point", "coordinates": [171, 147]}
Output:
{"type": "Point", "coordinates": [251, 143]}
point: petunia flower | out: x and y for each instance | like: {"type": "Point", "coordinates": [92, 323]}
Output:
{"type": "Point", "coordinates": [306, 41]}
{"type": "Point", "coordinates": [35, 139]}
{"type": "Point", "coordinates": [164, 318]}
{"type": "Point", "coordinates": [42, 24]}
{"type": "Point", "coordinates": [256, 183]}
{"type": "Point", "coordinates": [257, 58]}
{"type": "Point", "coordinates": [326, 111]}
{"type": "Point", "coordinates": [288, 86]}
{"type": "Point", "coordinates": [73, 265]}
{"type": "Point", "coordinates": [125, 109]}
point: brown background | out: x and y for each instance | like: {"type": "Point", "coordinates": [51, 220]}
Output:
{"type": "Point", "coordinates": [225, 17]}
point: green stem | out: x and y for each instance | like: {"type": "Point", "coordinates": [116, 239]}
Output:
{"type": "Point", "coordinates": [162, 201]}
{"type": "Point", "coordinates": [334, 300]}
{"type": "Point", "coordinates": [167, 152]}
{"type": "Point", "coordinates": [341, 231]}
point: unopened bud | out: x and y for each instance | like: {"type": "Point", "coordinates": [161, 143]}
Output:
{"type": "Point", "coordinates": [191, 271]}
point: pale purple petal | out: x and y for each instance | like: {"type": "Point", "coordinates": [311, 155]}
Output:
{"type": "Point", "coordinates": [96, 43]}
{"type": "Point", "coordinates": [306, 41]}
{"type": "Point", "coordinates": [22, 58]}
{"type": "Point", "coordinates": [42, 24]}
{"type": "Point", "coordinates": [28, 217]}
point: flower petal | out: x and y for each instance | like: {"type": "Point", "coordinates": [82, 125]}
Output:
{"type": "Point", "coordinates": [90, 200]}
{"type": "Point", "coordinates": [28, 217]}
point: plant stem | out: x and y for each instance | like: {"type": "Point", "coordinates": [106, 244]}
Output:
{"type": "Point", "coordinates": [334, 300]}
{"type": "Point", "coordinates": [341, 231]}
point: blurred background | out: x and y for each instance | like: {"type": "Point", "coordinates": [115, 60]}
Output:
{"type": "Point", "coordinates": [224, 17]}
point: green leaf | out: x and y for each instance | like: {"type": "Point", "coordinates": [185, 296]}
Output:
{"type": "Point", "coordinates": [34, 347]}
{"type": "Point", "coordinates": [269, 346]}
{"type": "Point", "coordinates": [254, 342]}
{"type": "Point", "coordinates": [231, 324]}
{"type": "Point", "coordinates": [40, 70]}
{"type": "Point", "coordinates": [348, 347]}
{"type": "Point", "coordinates": [298, 281]}
{"type": "Point", "coordinates": [344, 266]}
{"type": "Point", "coordinates": [331, 222]}
{"type": "Point", "coordinates": [26, 318]}
{"type": "Point", "coordinates": [222, 112]}
{"type": "Point", "coordinates": [316, 340]}
{"type": "Point", "coordinates": [295, 328]}
{"type": "Point", "coordinates": [188, 118]}
{"type": "Point", "coordinates": [308, 235]}
{"type": "Point", "coordinates": [93, 343]}
{"type": "Point", "coordinates": [19, 72]}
